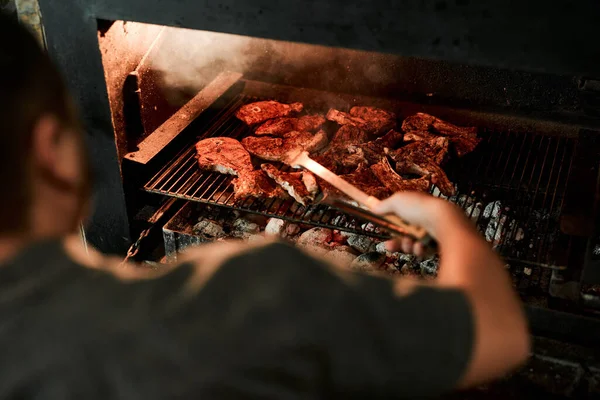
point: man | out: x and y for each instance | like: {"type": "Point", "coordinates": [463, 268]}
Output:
{"type": "Point", "coordinates": [234, 321]}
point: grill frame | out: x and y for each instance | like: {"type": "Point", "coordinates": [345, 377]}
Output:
{"type": "Point", "coordinates": [180, 178]}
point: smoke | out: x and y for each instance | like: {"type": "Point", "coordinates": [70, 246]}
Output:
{"type": "Point", "coordinates": [188, 60]}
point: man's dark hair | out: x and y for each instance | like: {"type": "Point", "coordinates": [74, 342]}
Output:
{"type": "Point", "coordinates": [30, 87]}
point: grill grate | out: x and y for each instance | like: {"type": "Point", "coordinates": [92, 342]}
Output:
{"type": "Point", "coordinates": [512, 187]}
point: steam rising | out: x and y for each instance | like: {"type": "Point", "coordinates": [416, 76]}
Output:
{"type": "Point", "coordinates": [188, 60]}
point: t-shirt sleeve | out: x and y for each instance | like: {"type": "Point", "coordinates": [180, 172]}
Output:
{"type": "Point", "coordinates": [382, 345]}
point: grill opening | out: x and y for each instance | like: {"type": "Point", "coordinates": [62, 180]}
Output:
{"type": "Point", "coordinates": [512, 187]}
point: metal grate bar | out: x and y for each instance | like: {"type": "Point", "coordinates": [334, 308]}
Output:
{"type": "Point", "coordinates": [525, 172]}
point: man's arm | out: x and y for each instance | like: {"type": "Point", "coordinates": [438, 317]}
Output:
{"type": "Point", "coordinates": [468, 263]}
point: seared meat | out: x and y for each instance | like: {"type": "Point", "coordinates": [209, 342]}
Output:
{"type": "Point", "coordinates": [435, 150]}
{"type": "Point", "coordinates": [463, 139]}
{"type": "Point", "coordinates": [256, 184]}
{"type": "Point", "coordinates": [342, 156]}
{"type": "Point", "coordinates": [369, 119]}
{"type": "Point", "coordinates": [224, 155]}
{"type": "Point", "coordinates": [310, 123]}
{"type": "Point", "coordinates": [363, 179]}
{"type": "Point", "coordinates": [418, 164]}
{"type": "Point", "coordinates": [423, 158]}
{"type": "Point", "coordinates": [416, 136]}
{"type": "Point", "coordinates": [276, 149]}
{"type": "Point", "coordinates": [301, 185]}
{"type": "Point", "coordinates": [348, 135]}
{"type": "Point", "coordinates": [394, 182]}
{"type": "Point", "coordinates": [261, 111]}
{"type": "Point", "coordinates": [440, 147]}
{"type": "Point", "coordinates": [280, 126]}
{"type": "Point", "coordinates": [464, 145]}
{"type": "Point", "coordinates": [426, 122]}
{"type": "Point", "coordinates": [228, 156]}
{"type": "Point", "coordinates": [378, 121]}
{"type": "Point", "coordinates": [277, 126]}
{"type": "Point", "coordinates": [375, 150]}
{"type": "Point", "coordinates": [339, 156]}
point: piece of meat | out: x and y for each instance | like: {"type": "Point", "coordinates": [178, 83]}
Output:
{"type": "Point", "coordinates": [280, 126]}
{"type": "Point", "coordinates": [310, 123]}
{"type": "Point", "coordinates": [373, 151]}
{"type": "Point", "coordinates": [435, 150]}
{"type": "Point", "coordinates": [348, 135]}
{"type": "Point", "coordinates": [394, 182]}
{"type": "Point", "coordinates": [363, 179]}
{"type": "Point", "coordinates": [439, 149]}
{"type": "Point", "coordinates": [427, 168]}
{"type": "Point", "coordinates": [464, 145]}
{"type": "Point", "coordinates": [417, 136]}
{"type": "Point", "coordinates": [224, 155]}
{"type": "Point", "coordinates": [423, 158]}
{"type": "Point", "coordinates": [301, 185]}
{"type": "Point", "coordinates": [277, 149]}
{"type": "Point", "coordinates": [256, 184]}
{"type": "Point", "coordinates": [427, 122]}
{"type": "Point", "coordinates": [277, 126]}
{"type": "Point", "coordinates": [378, 121]}
{"type": "Point", "coordinates": [340, 150]}
{"type": "Point", "coordinates": [261, 111]}
{"type": "Point", "coordinates": [369, 119]}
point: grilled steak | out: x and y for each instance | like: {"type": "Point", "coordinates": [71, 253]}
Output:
{"type": "Point", "coordinates": [280, 126]}
{"type": "Point", "coordinates": [310, 123]}
{"type": "Point", "coordinates": [301, 185]}
{"type": "Point", "coordinates": [256, 184]}
{"type": "Point", "coordinates": [276, 149]}
{"type": "Point", "coordinates": [426, 122]}
{"type": "Point", "coordinates": [464, 140]}
{"type": "Point", "coordinates": [464, 145]}
{"type": "Point", "coordinates": [224, 155]}
{"type": "Point", "coordinates": [394, 182]}
{"type": "Point", "coordinates": [348, 135]}
{"type": "Point", "coordinates": [370, 119]}
{"type": "Point", "coordinates": [375, 150]}
{"type": "Point", "coordinates": [423, 158]}
{"type": "Point", "coordinates": [378, 121]}
{"type": "Point", "coordinates": [261, 111]}
{"type": "Point", "coordinates": [417, 136]}
{"type": "Point", "coordinates": [363, 179]}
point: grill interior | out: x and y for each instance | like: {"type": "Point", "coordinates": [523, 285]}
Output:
{"type": "Point", "coordinates": [524, 173]}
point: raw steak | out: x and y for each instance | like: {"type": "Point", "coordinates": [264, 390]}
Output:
{"type": "Point", "coordinates": [301, 185]}
{"type": "Point", "coordinates": [224, 155]}
{"type": "Point", "coordinates": [394, 182]}
{"type": "Point", "coordinates": [277, 149]}
{"type": "Point", "coordinates": [261, 111]}
{"type": "Point", "coordinates": [280, 126]}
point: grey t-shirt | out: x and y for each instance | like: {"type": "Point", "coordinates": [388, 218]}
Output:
{"type": "Point", "coordinates": [271, 323]}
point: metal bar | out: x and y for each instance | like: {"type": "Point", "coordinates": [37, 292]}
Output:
{"type": "Point", "coordinates": [551, 208]}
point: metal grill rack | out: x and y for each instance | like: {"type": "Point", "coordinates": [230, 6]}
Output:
{"type": "Point", "coordinates": [524, 173]}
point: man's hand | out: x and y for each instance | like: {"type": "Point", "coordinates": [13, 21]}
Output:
{"type": "Point", "coordinates": [434, 215]}
{"type": "Point", "coordinates": [469, 263]}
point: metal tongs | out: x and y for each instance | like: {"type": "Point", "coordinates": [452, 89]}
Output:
{"type": "Point", "coordinates": [393, 224]}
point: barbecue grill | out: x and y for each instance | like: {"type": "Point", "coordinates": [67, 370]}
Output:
{"type": "Point", "coordinates": [531, 93]}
